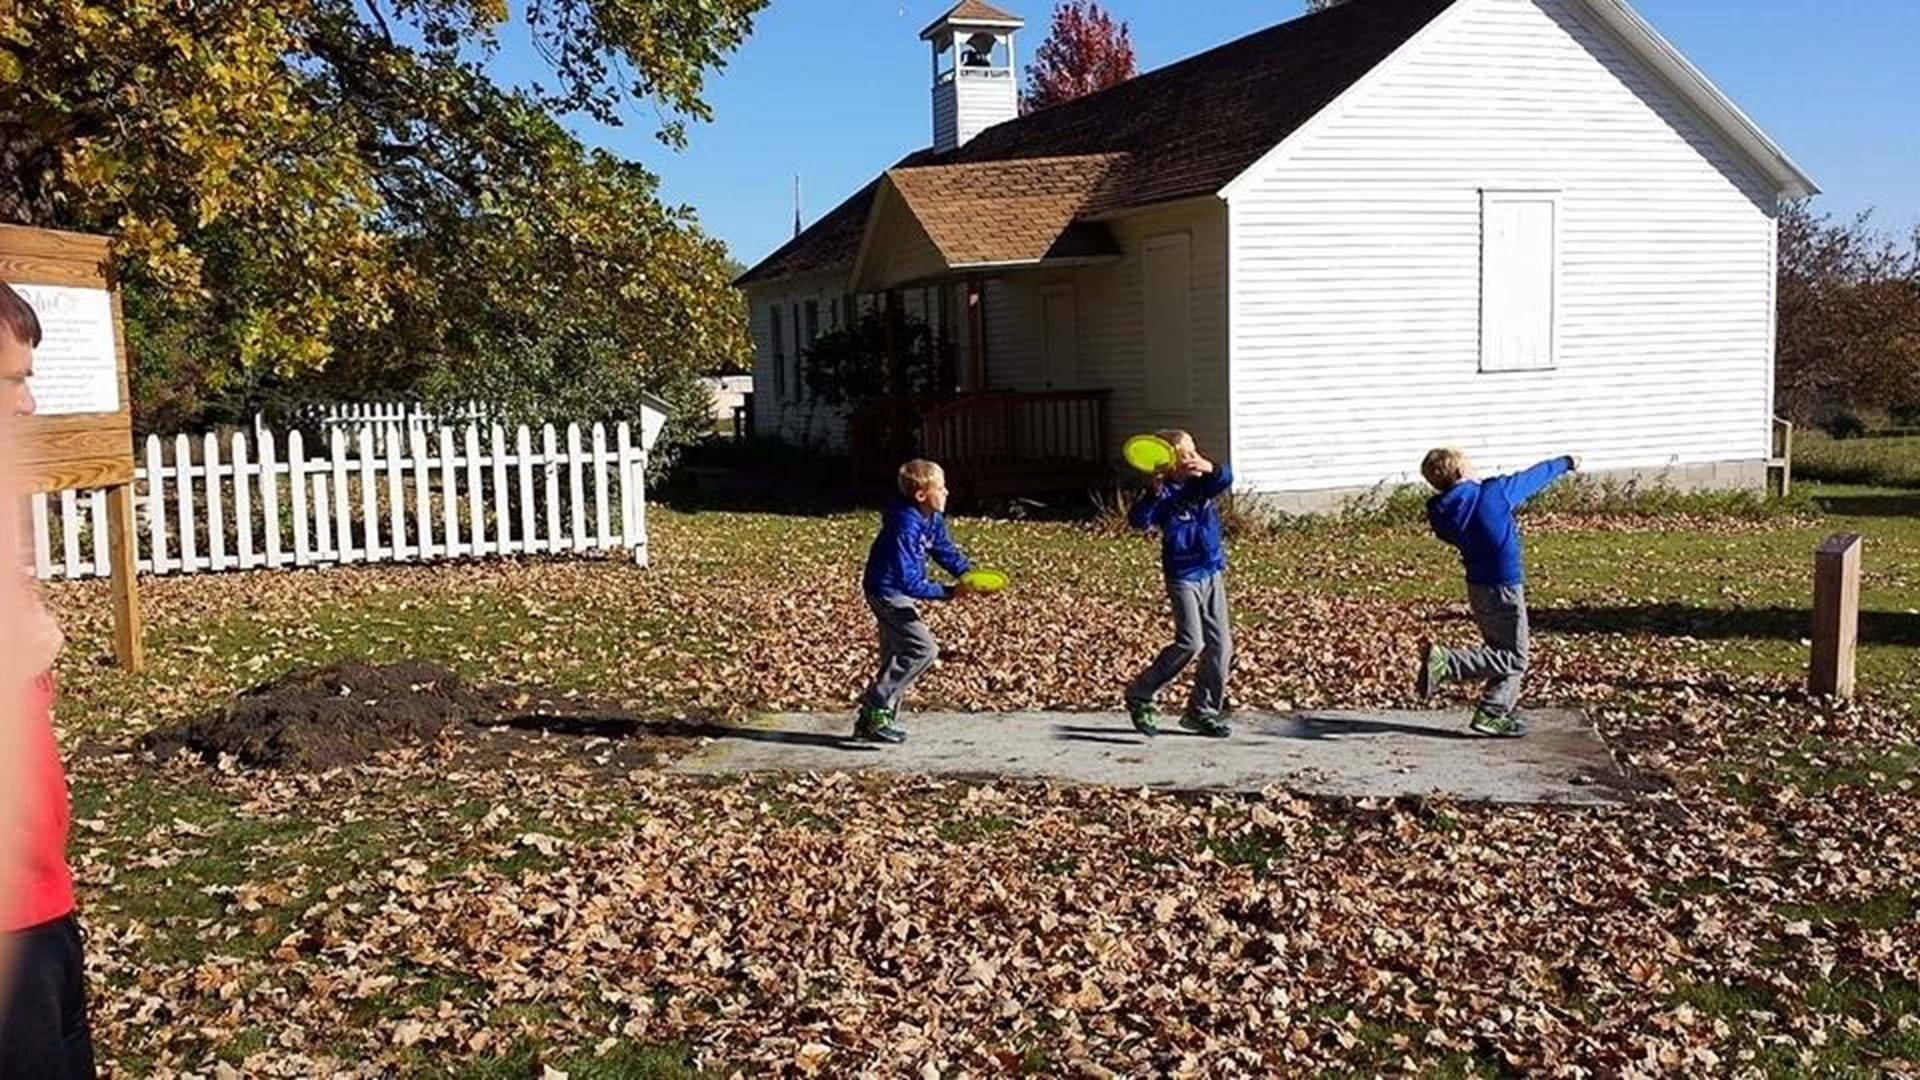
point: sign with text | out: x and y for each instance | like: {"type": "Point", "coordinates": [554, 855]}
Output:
{"type": "Point", "coordinates": [76, 369]}
{"type": "Point", "coordinates": [81, 435]}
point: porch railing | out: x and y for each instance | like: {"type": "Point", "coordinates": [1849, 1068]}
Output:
{"type": "Point", "coordinates": [1008, 443]}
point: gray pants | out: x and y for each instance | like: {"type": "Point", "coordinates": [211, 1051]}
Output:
{"type": "Point", "coordinates": [1501, 612]}
{"type": "Point", "coordinates": [907, 650]}
{"type": "Point", "coordinates": [1200, 628]}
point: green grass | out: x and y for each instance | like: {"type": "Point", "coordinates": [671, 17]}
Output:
{"type": "Point", "coordinates": [1883, 911]}
{"type": "Point", "coordinates": [1259, 849]}
{"type": "Point", "coordinates": [968, 830]}
{"type": "Point", "coordinates": [1754, 1013]}
{"type": "Point", "coordinates": [1816, 769]}
{"type": "Point", "coordinates": [1885, 462]}
{"type": "Point", "coordinates": [1732, 598]}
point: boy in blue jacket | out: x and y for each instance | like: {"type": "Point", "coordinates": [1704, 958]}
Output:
{"type": "Point", "coordinates": [1476, 516]}
{"type": "Point", "coordinates": [914, 527]}
{"type": "Point", "coordinates": [1180, 504]}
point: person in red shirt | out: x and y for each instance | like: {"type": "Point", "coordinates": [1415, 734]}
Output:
{"type": "Point", "coordinates": [43, 1003]}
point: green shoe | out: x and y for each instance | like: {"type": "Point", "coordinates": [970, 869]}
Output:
{"type": "Point", "coordinates": [1208, 724]}
{"type": "Point", "coordinates": [1144, 719]}
{"type": "Point", "coordinates": [1497, 725]}
{"type": "Point", "coordinates": [877, 725]}
{"type": "Point", "coordinates": [1434, 670]}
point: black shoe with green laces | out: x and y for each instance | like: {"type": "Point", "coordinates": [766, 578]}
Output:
{"type": "Point", "coordinates": [877, 725]}
{"type": "Point", "coordinates": [1145, 721]}
{"type": "Point", "coordinates": [1205, 723]}
{"type": "Point", "coordinates": [1497, 725]}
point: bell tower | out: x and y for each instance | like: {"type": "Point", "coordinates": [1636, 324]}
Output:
{"type": "Point", "coordinates": [976, 82]}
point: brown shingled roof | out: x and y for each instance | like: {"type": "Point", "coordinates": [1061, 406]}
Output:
{"type": "Point", "coordinates": [971, 11]}
{"type": "Point", "coordinates": [1001, 211]}
{"type": "Point", "coordinates": [1186, 129]}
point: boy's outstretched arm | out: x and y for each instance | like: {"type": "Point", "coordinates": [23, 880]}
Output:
{"type": "Point", "coordinates": [946, 552]}
{"type": "Point", "coordinates": [1522, 486]}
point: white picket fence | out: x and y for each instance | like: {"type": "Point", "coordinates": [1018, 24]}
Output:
{"type": "Point", "coordinates": [386, 419]}
{"type": "Point", "coordinates": [212, 503]}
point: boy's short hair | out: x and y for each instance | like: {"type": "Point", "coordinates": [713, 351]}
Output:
{"type": "Point", "coordinates": [18, 317]}
{"type": "Point", "coordinates": [1443, 467]}
{"type": "Point", "coordinates": [918, 475]}
{"type": "Point", "coordinates": [1175, 436]}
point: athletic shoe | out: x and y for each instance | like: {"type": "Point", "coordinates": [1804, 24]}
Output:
{"type": "Point", "coordinates": [1144, 720]}
{"type": "Point", "coordinates": [1208, 724]}
{"type": "Point", "coordinates": [877, 725]}
{"type": "Point", "coordinates": [1434, 670]}
{"type": "Point", "coordinates": [1497, 725]}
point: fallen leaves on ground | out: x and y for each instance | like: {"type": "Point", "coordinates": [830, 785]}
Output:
{"type": "Point", "coordinates": [545, 902]}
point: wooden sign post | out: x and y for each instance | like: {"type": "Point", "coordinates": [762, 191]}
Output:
{"type": "Point", "coordinates": [1836, 615]}
{"type": "Point", "coordinates": [81, 435]}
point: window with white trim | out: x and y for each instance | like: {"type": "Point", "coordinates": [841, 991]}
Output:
{"type": "Point", "coordinates": [1519, 280]}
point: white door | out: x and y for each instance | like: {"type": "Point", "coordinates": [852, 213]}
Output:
{"type": "Point", "coordinates": [1057, 317]}
{"type": "Point", "coordinates": [1168, 274]}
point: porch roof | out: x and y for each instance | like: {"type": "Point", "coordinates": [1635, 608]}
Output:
{"type": "Point", "coordinates": [939, 220]}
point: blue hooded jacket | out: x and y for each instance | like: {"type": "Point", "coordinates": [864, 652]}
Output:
{"type": "Point", "coordinates": [1189, 524]}
{"type": "Point", "coordinates": [1476, 516]}
{"type": "Point", "coordinates": [897, 562]}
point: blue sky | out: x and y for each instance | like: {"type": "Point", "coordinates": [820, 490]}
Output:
{"type": "Point", "coordinates": [836, 90]}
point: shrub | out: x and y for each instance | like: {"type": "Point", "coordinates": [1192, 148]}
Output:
{"type": "Point", "coordinates": [1845, 426]}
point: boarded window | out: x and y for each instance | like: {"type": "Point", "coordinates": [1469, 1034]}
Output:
{"type": "Point", "coordinates": [779, 352]}
{"type": "Point", "coordinates": [1519, 272]}
{"type": "Point", "coordinates": [1169, 287]}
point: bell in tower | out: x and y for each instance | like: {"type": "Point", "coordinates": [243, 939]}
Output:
{"type": "Point", "coordinates": [975, 80]}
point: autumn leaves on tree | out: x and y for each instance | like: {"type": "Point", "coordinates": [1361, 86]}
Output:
{"type": "Point", "coordinates": [1849, 319]}
{"type": "Point", "coordinates": [1086, 50]}
{"type": "Point", "coordinates": [329, 197]}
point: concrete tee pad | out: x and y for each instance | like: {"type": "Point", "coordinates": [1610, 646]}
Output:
{"type": "Point", "coordinates": [1348, 753]}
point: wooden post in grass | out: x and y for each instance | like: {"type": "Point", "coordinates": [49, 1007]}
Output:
{"type": "Point", "coordinates": [1836, 615]}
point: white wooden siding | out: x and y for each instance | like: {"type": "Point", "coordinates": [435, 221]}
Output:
{"type": "Point", "coordinates": [900, 248]}
{"type": "Point", "coordinates": [1356, 267]}
{"type": "Point", "coordinates": [985, 97]}
{"type": "Point", "coordinates": [946, 118]}
{"type": "Point", "coordinates": [1110, 332]}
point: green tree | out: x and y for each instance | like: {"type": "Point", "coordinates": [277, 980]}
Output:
{"type": "Point", "coordinates": [332, 196]}
{"type": "Point", "coordinates": [1849, 316]}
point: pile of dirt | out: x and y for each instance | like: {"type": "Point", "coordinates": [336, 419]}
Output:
{"type": "Point", "coordinates": [322, 718]}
